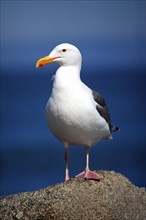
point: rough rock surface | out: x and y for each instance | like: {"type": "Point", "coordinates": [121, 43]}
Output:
{"type": "Point", "coordinates": [113, 198]}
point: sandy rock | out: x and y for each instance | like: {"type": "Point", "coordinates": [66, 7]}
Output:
{"type": "Point", "coordinates": [113, 198]}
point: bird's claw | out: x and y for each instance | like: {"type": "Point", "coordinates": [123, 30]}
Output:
{"type": "Point", "coordinates": [88, 174]}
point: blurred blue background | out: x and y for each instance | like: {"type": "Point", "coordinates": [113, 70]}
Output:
{"type": "Point", "coordinates": [111, 38]}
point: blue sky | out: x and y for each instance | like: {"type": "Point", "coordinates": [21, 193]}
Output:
{"type": "Point", "coordinates": [101, 29]}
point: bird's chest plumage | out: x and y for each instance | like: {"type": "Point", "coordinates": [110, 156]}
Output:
{"type": "Point", "coordinates": [71, 114]}
{"type": "Point", "coordinates": [68, 105]}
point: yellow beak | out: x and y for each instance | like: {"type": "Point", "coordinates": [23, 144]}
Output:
{"type": "Point", "coordinates": [45, 60]}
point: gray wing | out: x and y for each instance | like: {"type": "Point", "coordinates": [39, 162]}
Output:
{"type": "Point", "coordinates": [103, 110]}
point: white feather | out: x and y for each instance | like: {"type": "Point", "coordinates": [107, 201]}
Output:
{"type": "Point", "coordinates": [71, 110]}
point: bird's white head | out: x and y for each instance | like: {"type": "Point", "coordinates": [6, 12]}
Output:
{"type": "Point", "coordinates": [64, 54]}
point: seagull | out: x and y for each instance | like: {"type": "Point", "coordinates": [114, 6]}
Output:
{"type": "Point", "coordinates": [76, 114]}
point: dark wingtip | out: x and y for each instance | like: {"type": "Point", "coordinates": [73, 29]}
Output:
{"type": "Point", "coordinates": [114, 128]}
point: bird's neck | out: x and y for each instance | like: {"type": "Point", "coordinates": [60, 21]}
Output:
{"type": "Point", "coordinates": [66, 76]}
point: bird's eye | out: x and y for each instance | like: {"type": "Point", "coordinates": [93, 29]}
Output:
{"type": "Point", "coordinates": [64, 50]}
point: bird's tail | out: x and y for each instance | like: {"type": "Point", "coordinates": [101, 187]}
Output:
{"type": "Point", "coordinates": [114, 128]}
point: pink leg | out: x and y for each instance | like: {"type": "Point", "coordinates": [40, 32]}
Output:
{"type": "Point", "coordinates": [87, 173]}
{"type": "Point", "coordinates": [67, 178]}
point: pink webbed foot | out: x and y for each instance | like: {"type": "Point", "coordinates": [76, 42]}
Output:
{"type": "Point", "coordinates": [88, 174]}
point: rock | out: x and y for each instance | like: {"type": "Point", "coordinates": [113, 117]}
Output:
{"type": "Point", "coordinates": [112, 198]}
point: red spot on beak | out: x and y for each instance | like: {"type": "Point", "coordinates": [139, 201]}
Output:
{"type": "Point", "coordinates": [41, 65]}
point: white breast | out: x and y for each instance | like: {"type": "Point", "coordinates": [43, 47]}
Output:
{"type": "Point", "coordinates": [71, 112]}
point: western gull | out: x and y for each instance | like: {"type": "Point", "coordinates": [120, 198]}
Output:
{"type": "Point", "coordinates": [75, 114]}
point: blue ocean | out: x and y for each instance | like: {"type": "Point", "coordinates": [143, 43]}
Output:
{"type": "Point", "coordinates": [32, 158]}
